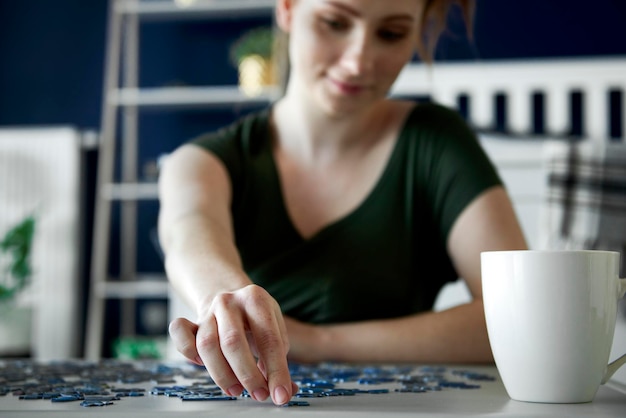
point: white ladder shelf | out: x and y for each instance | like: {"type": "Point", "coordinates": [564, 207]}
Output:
{"type": "Point", "coordinates": [122, 99]}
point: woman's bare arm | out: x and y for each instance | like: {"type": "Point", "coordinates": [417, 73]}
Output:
{"type": "Point", "coordinates": [237, 321]}
{"type": "Point", "coordinates": [195, 227]}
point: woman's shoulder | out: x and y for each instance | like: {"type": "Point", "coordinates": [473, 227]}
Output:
{"type": "Point", "coordinates": [247, 131]}
{"type": "Point", "coordinates": [432, 114]}
{"type": "Point", "coordinates": [236, 144]}
{"type": "Point", "coordinates": [438, 123]}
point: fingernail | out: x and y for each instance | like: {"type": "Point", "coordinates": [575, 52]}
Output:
{"type": "Point", "coordinates": [281, 396]}
{"type": "Point", "coordinates": [260, 394]}
{"type": "Point", "coordinates": [234, 390]}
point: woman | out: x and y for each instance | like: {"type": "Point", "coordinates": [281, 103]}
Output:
{"type": "Point", "coordinates": [323, 227]}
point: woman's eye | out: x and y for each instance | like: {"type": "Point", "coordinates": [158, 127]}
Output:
{"type": "Point", "coordinates": [390, 35]}
{"type": "Point", "coordinates": [334, 24]}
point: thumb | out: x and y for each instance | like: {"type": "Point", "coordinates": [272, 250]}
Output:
{"type": "Point", "coordinates": [183, 333]}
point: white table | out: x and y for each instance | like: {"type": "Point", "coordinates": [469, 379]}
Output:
{"type": "Point", "coordinates": [490, 400]}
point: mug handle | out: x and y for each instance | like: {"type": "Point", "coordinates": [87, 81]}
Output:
{"type": "Point", "coordinates": [615, 365]}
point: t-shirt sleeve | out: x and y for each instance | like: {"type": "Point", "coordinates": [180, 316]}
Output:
{"type": "Point", "coordinates": [455, 168]}
{"type": "Point", "coordinates": [236, 144]}
{"type": "Point", "coordinates": [225, 145]}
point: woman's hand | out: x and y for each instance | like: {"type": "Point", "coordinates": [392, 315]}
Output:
{"type": "Point", "coordinates": [241, 339]}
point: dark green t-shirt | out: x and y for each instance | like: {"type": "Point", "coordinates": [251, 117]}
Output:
{"type": "Point", "coordinates": [385, 259]}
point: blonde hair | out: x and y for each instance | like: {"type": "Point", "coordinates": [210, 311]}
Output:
{"type": "Point", "coordinates": [434, 23]}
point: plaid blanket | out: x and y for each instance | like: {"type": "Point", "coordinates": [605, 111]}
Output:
{"type": "Point", "coordinates": [585, 206]}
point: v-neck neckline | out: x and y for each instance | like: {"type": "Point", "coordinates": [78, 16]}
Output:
{"type": "Point", "coordinates": [362, 206]}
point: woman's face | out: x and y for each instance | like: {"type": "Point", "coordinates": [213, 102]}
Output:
{"type": "Point", "coordinates": [346, 54]}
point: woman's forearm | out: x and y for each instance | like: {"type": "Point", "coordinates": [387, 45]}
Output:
{"type": "Point", "coordinates": [195, 227]}
{"type": "Point", "coordinates": [199, 260]}
{"type": "Point", "coordinates": [456, 335]}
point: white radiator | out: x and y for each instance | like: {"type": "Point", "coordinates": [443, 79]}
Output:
{"type": "Point", "coordinates": [40, 175]}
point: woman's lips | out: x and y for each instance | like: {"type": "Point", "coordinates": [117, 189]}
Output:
{"type": "Point", "coordinates": [347, 88]}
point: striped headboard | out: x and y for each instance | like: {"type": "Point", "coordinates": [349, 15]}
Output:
{"type": "Point", "coordinates": [564, 97]}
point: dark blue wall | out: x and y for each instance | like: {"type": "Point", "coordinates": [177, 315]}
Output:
{"type": "Point", "coordinates": [51, 62]}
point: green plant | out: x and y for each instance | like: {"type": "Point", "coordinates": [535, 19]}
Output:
{"type": "Point", "coordinates": [257, 41]}
{"type": "Point", "coordinates": [16, 244]}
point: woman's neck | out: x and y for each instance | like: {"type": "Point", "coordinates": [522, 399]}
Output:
{"type": "Point", "coordinates": [307, 133]}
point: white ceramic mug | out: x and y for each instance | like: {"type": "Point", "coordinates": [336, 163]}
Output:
{"type": "Point", "coordinates": [551, 318]}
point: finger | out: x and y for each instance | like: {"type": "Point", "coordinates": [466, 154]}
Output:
{"type": "Point", "coordinates": [231, 327]}
{"type": "Point", "coordinates": [207, 341]}
{"type": "Point", "coordinates": [261, 365]}
{"type": "Point", "coordinates": [294, 387]}
{"type": "Point", "coordinates": [183, 333]}
{"type": "Point", "coordinates": [270, 343]}
{"type": "Point", "coordinates": [283, 329]}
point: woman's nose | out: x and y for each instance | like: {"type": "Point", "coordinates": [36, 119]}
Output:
{"type": "Point", "coordinates": [357, 58]}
